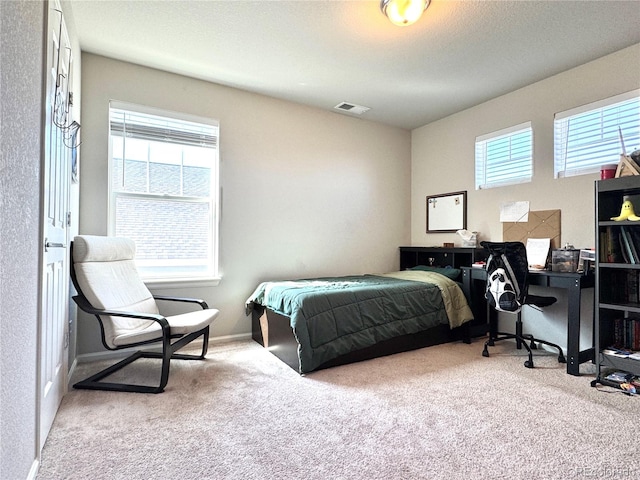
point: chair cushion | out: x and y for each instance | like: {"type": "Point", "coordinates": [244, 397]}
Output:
{"type": "Point", "coordinates": [182, 324]}
{"type": "Point", "coordinates": [107, 276]}
{"type": "Point", "coordinates": [94, 248]}
{"type": "Point", "coordinates": [539, 301]}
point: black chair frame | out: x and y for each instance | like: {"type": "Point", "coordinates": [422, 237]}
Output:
{"type": "Point", "coordinates": [521, 340]}
{"type": "Point", "coordinates": [168, 349]}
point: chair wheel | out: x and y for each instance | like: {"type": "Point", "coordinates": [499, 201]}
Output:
{"type": "Point", "coordinates": [561, 359]}
{"type": "Point", "coordinates": [533, 346]}
{"type": "Point", "coordinates": [528, 364]}
{"type": "Point", "coordinates": [485, 352]}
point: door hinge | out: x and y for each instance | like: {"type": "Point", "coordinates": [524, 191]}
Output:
{"type": "Point", "coordinates": [68, 219]}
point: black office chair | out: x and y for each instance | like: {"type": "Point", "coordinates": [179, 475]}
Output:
{"type": "Point", "coordinates": [508, 290]}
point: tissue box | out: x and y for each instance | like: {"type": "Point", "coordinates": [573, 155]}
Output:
{"type": "Point", "coordinates": [472, 241]}
{"type": "Point", "coordinates": [564, 260]}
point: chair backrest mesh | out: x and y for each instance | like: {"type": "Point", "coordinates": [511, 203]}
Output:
{"type": "Point", "coordinates": [107, 277]}
{"type": "Point", "coordinates": [507, 275]}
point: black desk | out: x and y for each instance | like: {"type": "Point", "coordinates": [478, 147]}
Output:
{"type": "Point", "coordinates": [572, 282]}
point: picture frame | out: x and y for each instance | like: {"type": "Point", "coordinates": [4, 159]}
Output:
{"type": "Point", "coordinates": [447, 212]}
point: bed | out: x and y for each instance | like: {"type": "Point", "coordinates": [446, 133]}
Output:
{"type": "Point", "coordinates": [318, 323]}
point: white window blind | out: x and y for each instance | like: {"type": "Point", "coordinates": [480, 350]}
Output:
{"type": "Point", "coordinates": [504, 157]}
{"type": "Point", "coordinates": [587, 137]}
{"type": "Point", "coordinates": [164, 189]}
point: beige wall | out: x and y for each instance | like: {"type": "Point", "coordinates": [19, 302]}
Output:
{"type": "Point", "coordinates": [21, 27]}
{"type": "Point", "coordinates": [306, 192]}
{"type": "Point", "coordinates": [443, 152]}
{"type": "Point", "coordinates": [443, 161]}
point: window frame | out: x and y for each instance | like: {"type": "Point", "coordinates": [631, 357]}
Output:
{"type": "Point", "coordinates": [480, 167]}
{"type": "Point", "coordinates": [210, 277]}
{"type": "Point", "coordinates": [587, 166]}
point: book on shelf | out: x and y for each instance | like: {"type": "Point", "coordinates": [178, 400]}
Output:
{"type": "Point", "coordinates": [619, 377]}
{"type": "Point", "coordinates": [617, 352]}
{"type": "Point", "coordinates": [626, 381]}
{"type": "Point", "coordinates": [624, 248]}
{"type": "Point", "coordinates": [632, 287]}
{"type": "Point", "coordinates": [621, 353]}
{"type": "Point", "coordinates": [620, 244]}
{"type": "Point", "coordinates": [634, 235]}
{"type": "Point", "coordinates": [620, 286]}
{"type": "Point", "coordinates": [610, 245]}
{"type": "Point", "coordinates": [626, 334]}
{"type": "Point", "coordinates": [627, 246]}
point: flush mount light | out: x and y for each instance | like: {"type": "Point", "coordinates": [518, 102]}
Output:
{"type": "Point", "coordinates": [403, 12]}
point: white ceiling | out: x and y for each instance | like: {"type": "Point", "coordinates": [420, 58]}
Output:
{"type": "Point", "coordinates": [322, 53]}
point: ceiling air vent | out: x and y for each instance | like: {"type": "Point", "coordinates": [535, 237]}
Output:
{"type": "Point", "coordinates": [351, 108]}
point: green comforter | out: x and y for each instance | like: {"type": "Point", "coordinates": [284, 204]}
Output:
{"type": "Point", "coordinates": [334, 316]}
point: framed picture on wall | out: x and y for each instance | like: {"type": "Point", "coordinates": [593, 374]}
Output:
{"type": "Point", "coordinates": [447, 212]}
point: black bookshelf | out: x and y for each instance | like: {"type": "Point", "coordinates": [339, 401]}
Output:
{"type": "Point", "coordinates": [617, 299]}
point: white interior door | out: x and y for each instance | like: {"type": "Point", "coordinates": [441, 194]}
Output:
{"type": "Point", "coordinates": [57, 173]}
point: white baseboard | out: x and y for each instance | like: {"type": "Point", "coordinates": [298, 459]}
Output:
{"type": "Point", "coordinates": [72, 369]}
{"type": "Point", "coordinates": [33, 472]}
{"type": "Point", "coordinates": [239, 337]}
{"type": "Point", "coordinates": [118, 354]}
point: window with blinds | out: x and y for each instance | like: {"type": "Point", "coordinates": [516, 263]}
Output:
{"type": "Point", "coordinates": [164, 189]}
{"type": "Point", "coordinates": [504, 157]}
{"type": "Point", "coordinates": [587, 137]}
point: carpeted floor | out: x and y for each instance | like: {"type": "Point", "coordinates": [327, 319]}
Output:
{"type": "Point", "coordinates": [437, 413]}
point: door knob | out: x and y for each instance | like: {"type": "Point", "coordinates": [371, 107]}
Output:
{"type": "Point", "coordinates": [48, 245]}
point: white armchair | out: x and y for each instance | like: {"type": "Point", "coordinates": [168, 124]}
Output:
{"type": "Point", "coordinates": [104, 274]}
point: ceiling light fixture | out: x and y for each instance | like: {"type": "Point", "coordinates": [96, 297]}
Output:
{"type": "Point", "coordinates": [403, 12]}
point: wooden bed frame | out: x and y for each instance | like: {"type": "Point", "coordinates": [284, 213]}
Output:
{"type": "Point", "coordinates": [273, 331]}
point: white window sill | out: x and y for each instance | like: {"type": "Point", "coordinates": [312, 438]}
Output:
{"type": "Point", "coordinates": [156, 283]}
